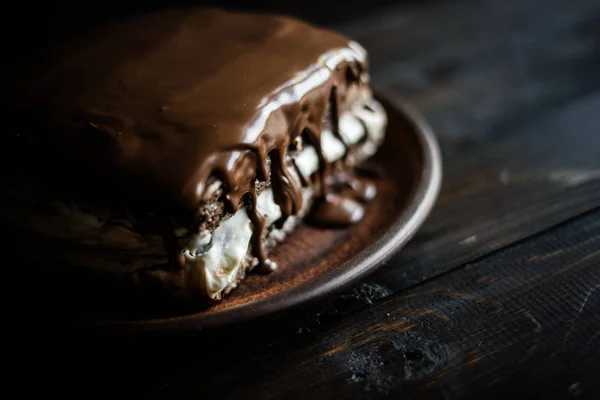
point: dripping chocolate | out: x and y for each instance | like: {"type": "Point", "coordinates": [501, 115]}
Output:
{"type": "Point", "coordinates": [193, 160]}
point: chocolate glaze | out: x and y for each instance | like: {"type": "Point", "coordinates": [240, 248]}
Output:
{"type": "Point", "coordinates": [258, 223]}
{"type": "Point", "coordinates": [156, 106]}
{"type": "Point", "coordinates": [305, 181]}
{"type": "Point", "coordinates": [286, 189]}
{"type": "Point", "coordinates": [336, 211]}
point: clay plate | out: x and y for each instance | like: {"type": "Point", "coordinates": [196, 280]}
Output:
{"type": "Point", "coordinates": [312, 262]}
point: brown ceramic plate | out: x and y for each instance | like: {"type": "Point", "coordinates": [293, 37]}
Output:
{"type": "Point", "coordinates": [313, 262]}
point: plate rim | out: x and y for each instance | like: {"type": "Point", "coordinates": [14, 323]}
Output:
{"type": "Point", "coordinates": [364, 263]}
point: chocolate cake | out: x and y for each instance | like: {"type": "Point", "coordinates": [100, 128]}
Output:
{"type": "Point", "coordinates": [179, 147]}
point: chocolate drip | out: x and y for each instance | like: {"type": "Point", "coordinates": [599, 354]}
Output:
{"type": "Point", "coordinates": [365, 129]}
{"type": "Point", "coordinates": [353, 73]}
{"type": "Point", "coordinates": [315, 140]}
{"type": "Point", "coordinates": [369, 169]}
{"type": "Point", "coordinates": [359, 189]}
{"type": "Point", "coordinates": [258, 228]}
{"type": "Point", "coordinates": [263, 167]}
{"type": "Point", "coordinates": [161, 143]}
{"type": "Point", "coordinates": [286, 190]}
{"type": "Point", "coordinates": [336, 211]}
{"type": "Point", "coordinates": [304, 181]}
{"type": "Point", "coordinates": [341, 205]}
{"type": "Point", "coordinates": [233, 195]}
{"type": "Point", "coordinates": [335, 116]}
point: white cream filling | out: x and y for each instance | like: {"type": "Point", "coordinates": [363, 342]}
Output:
{"type": "Point", "coordinates": [332, 148]}
{"type": "Point", "coordinates": [374, 118]}
{"type": "Point", "coordinates": [351, 130]}
{"type": "Point", "coordinates": [219, 266]}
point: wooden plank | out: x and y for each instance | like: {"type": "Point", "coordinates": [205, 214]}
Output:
{"type": "Point", "coordinates": [506, 191]}
{"type": "Point", "coordinates": [524, 321]}
{"type": "Point", "coordinates": [511, 90]}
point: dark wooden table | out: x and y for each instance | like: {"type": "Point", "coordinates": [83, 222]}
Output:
{"type": "Point", "coordinates": [497, 296]}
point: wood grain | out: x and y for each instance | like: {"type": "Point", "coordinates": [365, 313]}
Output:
{"type": "Point", "coordinates": [497, 296]}
{"type": "Point", "coordinates": [505, 192]}
{"type": "Point", "coordinates": [511, 90]}
{"type": "Point", "coordinates": [525, 314]}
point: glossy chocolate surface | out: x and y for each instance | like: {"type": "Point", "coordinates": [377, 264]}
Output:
{"type": "Point", "coordinates": [171, 98]}
{"type": "Point", "coordinates": [151, 108]}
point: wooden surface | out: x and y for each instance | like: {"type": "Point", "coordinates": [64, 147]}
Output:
{"type": "Point", "coordinates": [497, 296]}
